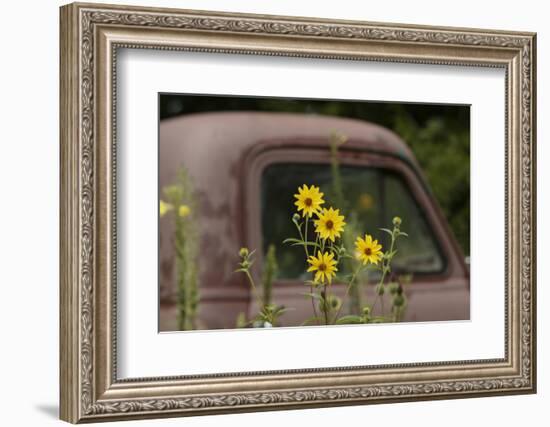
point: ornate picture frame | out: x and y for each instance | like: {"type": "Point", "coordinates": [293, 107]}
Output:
{"type": "Point", "coordinates": [90, 37]}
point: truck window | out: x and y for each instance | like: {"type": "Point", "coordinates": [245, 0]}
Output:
{"type": "Point", "coordinates": [369, 199]}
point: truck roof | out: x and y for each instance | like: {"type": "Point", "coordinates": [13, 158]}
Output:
{"type": "Point", "coordinates": [242, 129]}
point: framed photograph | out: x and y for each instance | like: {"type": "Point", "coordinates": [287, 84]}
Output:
{"type": "Point", "coordinates": [266, 212]}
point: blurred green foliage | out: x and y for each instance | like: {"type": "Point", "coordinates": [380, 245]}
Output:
{"type": "Point", "coordinates": [439, 136]}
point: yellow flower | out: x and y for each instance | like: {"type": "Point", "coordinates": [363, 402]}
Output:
{"type": "Point", "coordinates": [368, 250]}
{"type": "Point", "coordinates": [324, 265]}
{"type": "Point", "coordinates": [164, 208]}
{"type": "Point", "coordinates": [329, 224]}
{"type": "Point", "coordinates": [183, 211]}
{"type": "Point", "coordinates": [309, 200]}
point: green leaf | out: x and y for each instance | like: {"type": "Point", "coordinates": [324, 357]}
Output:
{"type": "Point", "coordinates": [293, 240]}
{"type": "Point", "coordinates": [349, 320]}
{"type": "Point", "coordinates": [282, 310]}
{"type": "Point", "coordinates": [309, 294]}
{"type": "Point", "coordinates": [316, 245]}
{"type": "Point", "coordinates": [311, 283]}
{"type": "Point", "coordinates": [392, 253]}
{"type": "Point", "coordinates": [311, 320]}
{"type": "Point", "coordinates": [344, 278]}
{"type": "Point", "coordinates": [380, 319]}
{"type": "Point", "coordinates": [387, 231]}
{"type": "Point", "coordinates": [297, 242]}
{"type": "Point", "coordinates": [401, 233]}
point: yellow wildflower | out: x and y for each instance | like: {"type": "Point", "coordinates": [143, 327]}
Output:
{"type": "Point", "coordinates": [183, 211]}
{"type": "Point", "coordinates": [329, 224]}
{"type": "Point", "coordinates": [324, 265]}
{"type": "Point", "coordinates": [309, 200]}
{"type": "Point", "coordinates": [368, 250]}
{"type": "Point", "coordinates": [164, 208]}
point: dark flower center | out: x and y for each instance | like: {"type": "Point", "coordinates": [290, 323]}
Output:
{"type": "Point", "coordinates": [329, 224]}
{"type": "Point", "coordinates": [368, 251]}
{"type": "Point", "coordinates": [308, 202]}
{"type": "Point", "coordinates": [322, 266]}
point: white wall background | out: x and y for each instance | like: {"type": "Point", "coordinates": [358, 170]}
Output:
{"type": "Point", "coordinates": [29, 170]}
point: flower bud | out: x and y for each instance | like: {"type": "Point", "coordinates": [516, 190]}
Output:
{"type": "Point", "coordinates": [380, 289]}
{"type": "Point", "coordinates": [184, 211]}
{"type": "Point", "coordinates": [392, 287]}
{"type": "Point", "coordinates": [366, 311]}
{"type": "Point", "coordinates": [398, 300]}
{"type": "Point", "coordinates": [243, 253]}
{"type": "Point", "coordinates": [396, 221]}
{"type": "Point", "coordinates": [296, 217]}
{"type": "Point", "coordinates": [342, 250]}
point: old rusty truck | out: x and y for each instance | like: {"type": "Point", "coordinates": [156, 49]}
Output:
{"type": "Point", "coordinates": [246, 167]}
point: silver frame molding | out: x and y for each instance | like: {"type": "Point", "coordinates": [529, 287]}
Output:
{"type": "Point", "coordinates": [90, 37]}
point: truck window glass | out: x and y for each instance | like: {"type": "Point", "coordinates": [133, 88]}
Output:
{"type": "Point", "coordinates": [371, 198]}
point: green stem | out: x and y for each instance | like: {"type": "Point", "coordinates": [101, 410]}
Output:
{"type": "Point", "coordinates": [385, 270]}
{"type": "Point", "coordinates": [307, 257]}
{"type": "Point", "coordinates": [316, 241]}
{"type": "Point", "coordinates": [254, 290]}
{"type": "Point", "coordinates": [305, 237]}
{"type": "Point", "coordinates": [313, 304]}
{"type": "Point", "coordinates": [301, 237]}
{"type": "Point", "coordinates": [347, 291]}
{"type": "Point", "coordinates": [325, 305]}
{"type": "Point", "coordinates": [182, 269]}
